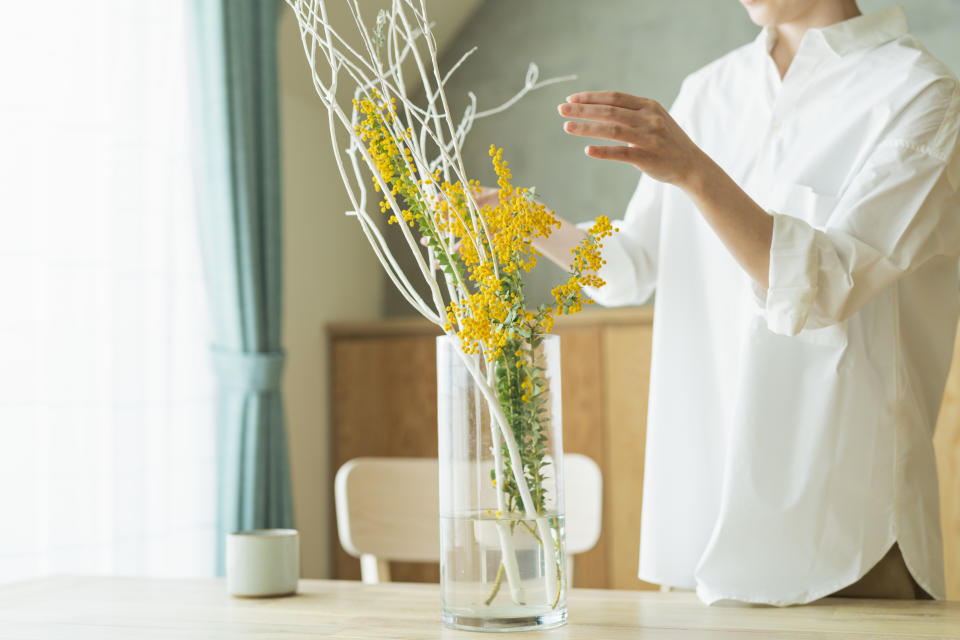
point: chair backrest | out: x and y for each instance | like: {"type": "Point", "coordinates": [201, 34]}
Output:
{"type": "Point", "coordinates": [387, 510]}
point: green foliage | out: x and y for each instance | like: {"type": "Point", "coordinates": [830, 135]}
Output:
{"type": "Point", "coordinates": [522, 390]}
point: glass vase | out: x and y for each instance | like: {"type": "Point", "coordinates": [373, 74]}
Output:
{"type": "Point", "coordinates": [502, 556]}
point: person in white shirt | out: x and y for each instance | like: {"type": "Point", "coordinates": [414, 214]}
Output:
{"type": "Point", "coordinates": [799, 217]}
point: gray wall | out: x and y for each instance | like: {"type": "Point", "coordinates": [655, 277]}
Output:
{"type": "Point", "coordinates": [644, 47]}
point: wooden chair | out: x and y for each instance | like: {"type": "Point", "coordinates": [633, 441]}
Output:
{"type": "Point", "coordinates": [387, 510]}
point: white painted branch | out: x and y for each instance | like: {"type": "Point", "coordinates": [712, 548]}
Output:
{"type": "Point", "coordinates": [508, 552]}
{"type": "Point", "coordinates": [434, 123]}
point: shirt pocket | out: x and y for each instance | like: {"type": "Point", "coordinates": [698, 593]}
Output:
{"type": "Point", "coordinates": [803, 202]}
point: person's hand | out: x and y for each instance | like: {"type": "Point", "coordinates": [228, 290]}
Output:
{"type": "Point", "coordinates": [653, 141]}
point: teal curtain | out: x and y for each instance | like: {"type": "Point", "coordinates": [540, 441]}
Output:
{"type": "Point", "coordinates": [238, 153]}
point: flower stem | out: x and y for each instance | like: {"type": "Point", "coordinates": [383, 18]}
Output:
{"type": "Point", "coordinates": [496, 585]}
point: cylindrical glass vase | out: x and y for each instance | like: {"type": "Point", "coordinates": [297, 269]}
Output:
{"type": "Point", "coordinates": [502, 557]}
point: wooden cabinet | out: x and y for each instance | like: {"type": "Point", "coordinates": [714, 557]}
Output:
{"type": "Point", "coordinates": [384, 404]}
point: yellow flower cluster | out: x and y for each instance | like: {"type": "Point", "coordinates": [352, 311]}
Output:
{"type": "Point", "coordinates": [494, 313]}
{"type": "Point", "coordinates": [587, 260]}
{"type": "Point", "coordinates": [393, 161]}
{"type": "Point", "coordinates": [495, 241]}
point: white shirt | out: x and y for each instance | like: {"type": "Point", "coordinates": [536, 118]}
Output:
{"type": "Point", "coordinates": [789, 434]}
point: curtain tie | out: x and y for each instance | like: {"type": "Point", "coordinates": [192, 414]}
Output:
{"type": "Point", "coordinates": [248, 371]}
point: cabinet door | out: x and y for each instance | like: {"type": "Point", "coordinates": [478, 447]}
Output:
{"type": "Point", "coordinates": [584, 431]}
{"type": "Point", "coordinates": [947, 442]}
{"type": "Point", "coordinates": [626, 377]}
{"type": "Point", "coordinates": [384, 403]}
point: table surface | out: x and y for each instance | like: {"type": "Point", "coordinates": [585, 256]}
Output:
{"type": "Point", "coordinates": [107, 608]}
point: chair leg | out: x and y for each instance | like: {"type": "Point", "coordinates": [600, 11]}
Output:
{"type": "Point", "coordinates": [373, 570]}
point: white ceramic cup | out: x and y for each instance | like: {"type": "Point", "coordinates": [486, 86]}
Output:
{"type": "Point", "coordinates": [263, 562]}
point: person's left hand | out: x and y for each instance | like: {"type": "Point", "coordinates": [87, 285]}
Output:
{"type": "Point", "coordinates": [654, 142]}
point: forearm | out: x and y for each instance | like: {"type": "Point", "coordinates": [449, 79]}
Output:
{"type": "Point", "coordinates": [740, 223]}
{"type": "Point", "coordinates": [559, 246]}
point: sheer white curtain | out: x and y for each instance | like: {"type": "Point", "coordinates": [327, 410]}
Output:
{"type": "Point", "coordinates": [107, 461]}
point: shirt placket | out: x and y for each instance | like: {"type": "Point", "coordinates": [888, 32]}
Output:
{"type": "Point", "coordinates": [786, 97]}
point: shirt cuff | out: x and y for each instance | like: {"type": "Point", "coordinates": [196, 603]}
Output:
{"type": "Point", "coordinates": [794, 266]}
{"type": "Point", "coordinates": [615, 271]}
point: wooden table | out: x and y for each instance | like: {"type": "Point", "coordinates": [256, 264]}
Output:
{"type": "Point", "coordinates": [129, 608]}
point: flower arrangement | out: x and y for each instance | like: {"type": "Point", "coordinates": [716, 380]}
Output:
{"type": "Point", "coordinates": [472, 258]}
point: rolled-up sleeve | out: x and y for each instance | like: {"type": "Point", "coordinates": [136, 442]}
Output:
{"type": "Point", "coordinates": [794, 276]}
{"type": "Point", "coordinates": [901, 211]}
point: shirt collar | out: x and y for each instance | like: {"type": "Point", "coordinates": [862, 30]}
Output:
{"type": "Point", "coordinates": [863, 32]}
{"type": "Point", "coordinates": [866, 31]}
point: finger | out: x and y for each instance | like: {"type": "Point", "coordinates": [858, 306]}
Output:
{"type": "Point", "coordinates": [630, 155]}
{"type": "Point", "coordinates": [598, 113]}
{"type": "Point", "coordinates": [616, 132]}
{"type": "Point", "coordinates": [612, 98]}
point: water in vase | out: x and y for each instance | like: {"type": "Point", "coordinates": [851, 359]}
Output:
{"type": "Point", "coordinates": [496, 574]}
